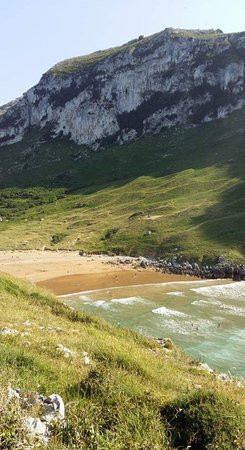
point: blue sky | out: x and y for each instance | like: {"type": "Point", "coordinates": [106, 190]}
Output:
{"type": "Point", "coordinates": [35, 34]}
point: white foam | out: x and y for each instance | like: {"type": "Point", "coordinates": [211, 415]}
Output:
{"type": "Point", "coordinates": [127, 300]}
{"type": "Point", "coordinates": [206, 303]}
{"type": "Point", "coordinates": [168, 283]}
{"type": "Point", "coordinates": [168, 312]}
{"type": "Point", "coordinates": [176, 293]}
{"type": "Point", "coordinates": [229, 309]}
{"type": "Point", "coordinates": [232, 290]}
{"type": "Point", "coordinates": [84, 298]}
{"type": "Point", "coordinates": [188, 327]}
{"type": "Point", "coordinates": [234, 310]}
{"type": "Point", "coordinates": [100, 304]}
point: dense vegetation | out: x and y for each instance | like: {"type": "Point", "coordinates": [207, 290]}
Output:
{"type": "Point", "coordinates": [134, 396]}
{"type": "Point", "coordinates": [158, 196]}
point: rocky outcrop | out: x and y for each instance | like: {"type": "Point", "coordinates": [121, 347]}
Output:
{"type": "Point", "coordinates": [173, 77]}
{"type": "Point", "coordinates": [51, 410]}
{"type": "Point", "coordinates": [221, 268]}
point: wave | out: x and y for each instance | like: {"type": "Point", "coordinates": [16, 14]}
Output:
{"type": "Point", "coordinates": [108, 303]}
{"type": "Point", "coordinates": [234, 310]}
{"type": "Point", "coordinates": [176, 293]}
{"type": "Point", "coordinates": [206, 303]}
{"type": "Point", "coordinates": [100, 304]}
{"type": "Point", "coordinates": [84, 298]}
{"type": "Point", "coordinates": [167, 283]}
{"type": "Point", "coordinates": [168, 312]}
{"type": "Point", "coordinates": [127, 300]}
{"type": "Point", "coordinates": [198, 327]}
{"type": "Point", "coordinates": [235, 291]}
{"type": "Point", "coordinates": [229, 309]}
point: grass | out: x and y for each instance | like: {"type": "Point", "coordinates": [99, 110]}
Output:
{"type": "Point", "coordinates": [130, 395]}
{"type": "Point", "coordinates": [80, 63]}
{"type": "Point", "coordinates": [184, 186]}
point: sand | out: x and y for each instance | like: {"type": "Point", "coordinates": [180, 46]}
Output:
{"type": "Point", "coordinates": [64, 272]}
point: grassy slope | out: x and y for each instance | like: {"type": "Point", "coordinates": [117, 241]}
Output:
{"type": "Point", "coordinates": [118, 402]}
{"type": "Point", "coordinates": [187, 186]}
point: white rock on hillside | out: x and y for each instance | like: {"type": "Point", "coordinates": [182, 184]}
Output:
{"type": "Point", "coordinates": [8, 331]}
{"type": "Point", "coordinates": [67, 353]}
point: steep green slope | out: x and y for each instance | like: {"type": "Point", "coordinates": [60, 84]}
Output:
{"type": "Point", "coordinates": [131, 395]}
{"type": "Point", "coordinates": [181, 192]}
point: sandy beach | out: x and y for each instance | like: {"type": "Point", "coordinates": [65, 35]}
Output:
{"type": "Point", "coordinates": [66, 272]}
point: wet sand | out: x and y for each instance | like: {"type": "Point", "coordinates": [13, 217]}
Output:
{"type": "Point", "coordinates": [64, 272]}
{"type": "Point", "coordinates": [85, 282]}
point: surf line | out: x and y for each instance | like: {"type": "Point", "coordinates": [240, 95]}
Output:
{"type": "Point", "coordinates": [167, 283]}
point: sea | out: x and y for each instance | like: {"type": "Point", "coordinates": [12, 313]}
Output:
{"type": "Point", "coordinates": [205, 318]}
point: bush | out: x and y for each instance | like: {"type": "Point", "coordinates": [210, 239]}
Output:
{"type": "Point", "coordinates": [56, 238]}
{"type": "Point", "coordinates": [205, 420]}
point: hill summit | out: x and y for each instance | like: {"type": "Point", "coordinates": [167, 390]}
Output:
{"type": "Point", "coordinates": [174, 77]}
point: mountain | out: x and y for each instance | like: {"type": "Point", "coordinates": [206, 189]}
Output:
{"type": "Point", "coordinates": [136, 150]}
{"type": "Point", "coordinates": [173, 77]}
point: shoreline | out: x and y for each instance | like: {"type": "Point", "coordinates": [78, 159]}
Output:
{"type": "Point", "coordinates": [65, 272]}
{"type": "Point", "coordinates": [80, 283]}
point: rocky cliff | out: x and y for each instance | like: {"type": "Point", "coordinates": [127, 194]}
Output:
{"type": "Point", "coordinates": [173, 77]}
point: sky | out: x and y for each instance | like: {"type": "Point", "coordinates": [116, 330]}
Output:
{"type": "Point", "coordinates": [36, 34]}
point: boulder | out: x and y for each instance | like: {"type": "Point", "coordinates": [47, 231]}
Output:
{"type": "Point", "coordinates": [67, 353]}
{"type": "Point", "coordinates": [53, 408]}
{"type": "Point", "coordinates": [8, 331]}
{"type": "Point", "coordinates": [38, 429]}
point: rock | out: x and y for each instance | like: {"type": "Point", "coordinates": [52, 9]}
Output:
{"type": "Point", "coordinates": [28, 323]}
{"type": "Point", "coordinates": [25, 333]}
{"type": "Point", "coordinates": [53, 408]}
{"type": "Point", "coordinates": [87, 361]}
{"type": "Point", "coordinates": [28, 399]}
{"type": "Point", "coordinates": [223, 377]}
{"type": "Point", "coordinates": [205, 366]}
{"type": "Point", "coordinates": [13, 393]}
{"type": "Point", "coordinates": [170, 78]}
{"type": "Point", "coordinates": [67, 353]}
{"type": "Point", "coordinates": [168, 343]}
{"type": "Point", "coordinates": [37, 428]}
{"type": "Point", "coordinates": [8, 331]}
{"type": "Point", "coordinates": [165, 343]}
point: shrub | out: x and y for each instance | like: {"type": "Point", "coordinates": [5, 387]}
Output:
{"type": "Point", "coordinates": [56, 238]}
{"type": "Point", "coordinates": [205, 420]}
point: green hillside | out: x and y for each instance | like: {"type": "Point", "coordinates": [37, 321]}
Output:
{"type": "Point", "coordinates": [181, 192]}
{"type": "Point", "coordinates": [135, 395]}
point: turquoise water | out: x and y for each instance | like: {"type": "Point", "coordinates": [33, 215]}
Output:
{"type": "Point", "coordinates": [205, 318]}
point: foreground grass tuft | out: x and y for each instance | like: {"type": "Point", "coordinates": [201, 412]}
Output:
{"type": "Point", "coordinates": [205, 420]}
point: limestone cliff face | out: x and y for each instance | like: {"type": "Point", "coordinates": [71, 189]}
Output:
{"type": "Point", "coordinates": [173, 77]}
